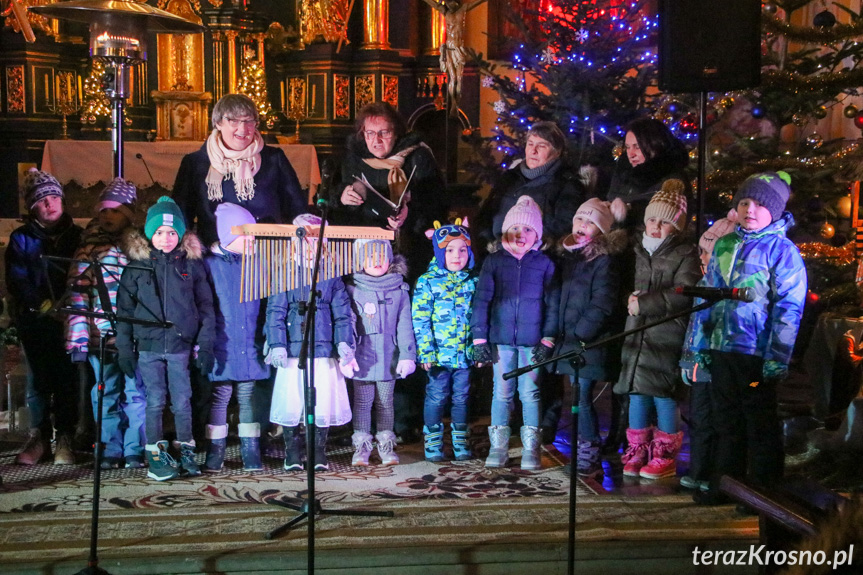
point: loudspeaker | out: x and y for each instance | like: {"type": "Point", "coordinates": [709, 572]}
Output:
{"type": "Point", "coordinates": [709, 45]}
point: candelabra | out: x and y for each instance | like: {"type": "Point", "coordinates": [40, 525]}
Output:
{"type": "Point", "coordinates": [297, 105]}
{"type": "Point", "coordinates": [65, 100]}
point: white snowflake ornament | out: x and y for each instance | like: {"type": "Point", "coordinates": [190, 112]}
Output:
{"type": "Point", "coordinates": [500, 106]}
{"type": "Point", "coordinates": [582, 35]}
{"type": "Point", "coordinates": [548, 56]}
{"type": "Point", "coordinates": [487, 82]}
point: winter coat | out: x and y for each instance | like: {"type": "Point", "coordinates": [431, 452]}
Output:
{"type": "Point", "coordinates": [559, 193]}
{"type": "Point", "coordinates": [163, 287]}
{"type": "Point", "coordinates": [84, 333]}
{"type": "Point", "coordinates": [441, 313]}
{"type": "Point", "coordinates": [26, 280]}
{"type": "Point", "coordinates": [278, 195]}
{"type": "Point", "coordinates": [238, 341]}
{"type": "Point", "coordinates": [589, 301]}
{"type": "Point", "coordinates": [382, 316]}
{"type": "Point", "coordinates": [333, 320]}
{"type": "Point", "coordinates": [650, 358]}
{"type": "Point", "coordinates": [514, 299]}
{"type": "Point", "coordinates": [769, 264]}
{"type": "Point", "coordinates": [636, 186]}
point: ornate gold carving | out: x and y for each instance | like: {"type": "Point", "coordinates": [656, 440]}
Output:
{"type": "Point", "coordinates": [15, 89]}
{"type": "Point", "coordinates": [376, 26]}
{"type": "Point", "coordinates": [324, 20]}
{"type": "Point", "coordinates": [181, 115]}
{"type": "Point", "coordinates": [390, 92]}
{"type": "Point", "coordinates": [36, 21]}
{"type": "Point", "coordinates": [342, 96]}
{"type": "Point", "coordinates": [181, 56]}
{"type": "Point", "coordinates": [364, 91]}
{"type": "Point", "coordinates": [196, 4]}
{"type": "Point", "coordinates": [215, 3]}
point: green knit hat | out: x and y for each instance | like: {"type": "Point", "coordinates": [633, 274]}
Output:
{"type": "Point", "coordinates": [165, 212]}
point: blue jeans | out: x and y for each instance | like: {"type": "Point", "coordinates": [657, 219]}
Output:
{"type": "Point", "coordinates": [667, 412]}
{"type": "Point", "coordinates": [508, 358]}
{"type": "Point", "coordinates": [588, 423]}
{"type": "Point", "coordinates": [161, 373]}
{"type": "Point", "coordinates": [442, 383]}
{"type": "Point", "coordinates": [123, 410]}
{"type": "Point", "coordinates": [222, 395]}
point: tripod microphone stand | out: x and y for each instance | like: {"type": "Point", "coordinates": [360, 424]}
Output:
{"type": "Point", "coordinates": [309, 506]}
{"type": "Point", "coordinates": [576, 359]}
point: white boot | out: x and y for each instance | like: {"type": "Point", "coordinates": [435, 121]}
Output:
{"type": "Point", "coordinates": [362, 448]}
{"type": "Point", "coordinates": [387, 447]}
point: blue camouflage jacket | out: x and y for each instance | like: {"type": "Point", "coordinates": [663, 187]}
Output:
{"type": "Point", "coordinates": [770, 265]}
{"type": "Point", "coordinates": [441, 311]}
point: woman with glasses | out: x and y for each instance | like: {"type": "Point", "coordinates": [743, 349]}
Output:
{"type": "Point", "coordinates": [235, 166]}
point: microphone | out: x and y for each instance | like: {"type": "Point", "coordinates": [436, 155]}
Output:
{"type": "Point", "coordinates": [140, 157]}
{"type": "Point", "coordinates": [740, 294]}
{"type": "Point", "coordinates": [328, 171]}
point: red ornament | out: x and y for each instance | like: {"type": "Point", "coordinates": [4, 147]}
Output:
{"type": "Point", "coordinates": [858, 120]}
{"type": "Point", "coordinates": [688, 124]}
{"type": "Point", "coordinates": [812, 297]}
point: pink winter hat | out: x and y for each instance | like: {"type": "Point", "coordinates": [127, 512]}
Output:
{"type": "Point", "coordinates": [603, 214]}
{"type": "Point", "coordinates": [719, 228]}
{"type": "Point", "coordinates": [525, 212]}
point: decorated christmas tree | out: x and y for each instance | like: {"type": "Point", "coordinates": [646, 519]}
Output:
{"type": "Point", "coordinates": [94, 102]}
{"type": "Point", "coordinates": [254, 85]}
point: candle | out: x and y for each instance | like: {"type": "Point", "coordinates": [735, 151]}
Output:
{"type": "Point", "coordinates": [57, 93]}
{"type": "Point", "coordinates": [80, 91]}
{"type": "Point", "coordinates": [69, 89]}
{"type": "Point", "coordinates": [282, 94]}
{"type": "Point", "coordinates": [314, 99]}
{"type": "Point", "coordinates": [47, 92]}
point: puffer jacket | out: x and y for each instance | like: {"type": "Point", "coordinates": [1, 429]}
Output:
{"type": "Point", "coordinates": [514, 299]}
{"type": "Point", "coordinates": [650, 358]}
{"type": "Point", "coordinates": [441, 312]}
{"type": "Point", "coordinates": [238, 341]}
{"type": "Point", "coordinates": [384, 330]}
{"type": "Point", "coordinates": [162, 287]}
{"type": "Point", "coordinates": [589, 301]}
{"type": "Point", "coordinates": [770, 265]}
{"type": "Point", "coordinates": [84, 333]}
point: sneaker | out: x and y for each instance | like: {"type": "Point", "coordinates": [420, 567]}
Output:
{"type": "Point", "coordinates": [135, 462]}
{"type": "Point", "coordinates": [63, 454]}
{"type": "Point", "coordinates": [110, 463]}
{"type": "Point", "coordinates": [35, 449]}
{"type": "Point", "coordinates": [688, 482]}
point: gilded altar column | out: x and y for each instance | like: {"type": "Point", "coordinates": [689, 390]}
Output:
{"type": "Point", "coordinates": [437, 34]}
{"type": "Point", "coordinates": [260, 38]}
{"type": "Point", "coordinates": [231, 35]}
{"type": "Point", "coordinates": [376, 26]}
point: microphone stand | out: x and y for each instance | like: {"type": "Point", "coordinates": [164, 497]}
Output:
{"type": "Point", "coordinates": [309, 506]}
{"type": "Point", "coordinates": [576, 360]}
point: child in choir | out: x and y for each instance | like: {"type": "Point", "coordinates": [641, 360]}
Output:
{"type": "Point", "coordinates": [664, 259]}
{"type": "Point", "coordinates": [514, 324]}
{"type": "Point", "coordinates": [746, 345]}
{"type": "Point", "coordinates": [166, 283]}
{"type": "Point", "coordinates": [334, 338]}
{"type": "Point", "coordinates": [441, 311]}
{"type": "Point", "coordinates": [238, 344]}
{"type": "Point", "coordinates": [106, 240]}
{"type": "Point", "coordinates": [589, 296]}
{"type": "Point", "coordinates": [386, 348]}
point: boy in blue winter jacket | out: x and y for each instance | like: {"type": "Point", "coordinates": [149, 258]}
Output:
{"type": "Point", "coordinates": [746, 346]}
{"type": "Point", "coordinates": [441, 311]}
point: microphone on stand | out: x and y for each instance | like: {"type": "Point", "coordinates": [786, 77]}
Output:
{"type": "Point", "coordinates": [143, 161]}
{"type": "Point", "coordinates": [740, 294]}
{"type": "Point", "coordinates": [328, 171]}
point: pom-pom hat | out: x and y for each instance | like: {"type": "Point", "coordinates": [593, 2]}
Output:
{"type": "Point", "coordinates": [165, 212]}
{"type": "Point", "coordinates": [119, 195]}
{"type": "Point", "coordinates": [770, 189]}
{"type": "Point", "coordinates": [720, 227]}
{"type": "Point", "coordinates": [668, 205]}
{"type": "Point", "coordinates": [603, 214]}
{"type": "Point", "coordinates": [39, 185]}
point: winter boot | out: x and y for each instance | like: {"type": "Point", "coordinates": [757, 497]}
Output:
{"type": "Point", "coordinates": [162, 465]}
{"type": "Point", "coordinates": [250, 446]}
{"type": "Point", "coordinates": [663, 453]}
{"type": "Point", "coordinates": [530, 441]}
{"type": "Point", "coordinates": [218, 441]}
{"type": "Point", "coordinates": [588, 463]}
{"type": "Point", "coordinates": [293, 457]}
{"type": "Point", "coordinates": [433, 439]}
{"type": "Point", "coordinates": [362, 448]}
{"type": "Point", "coordinates": [321, 463]}
{"type": "Point", "coordinates": [387, 447]}
{"type": "Point", "coordinates": [188, 466]}
{"type": "Point", "coordinates": [63, 454]}
{"type": "Point", "coordinates": [636, 455]}
{"type": "Point", "coordinates": [498, 453]}
{"type": "Point", "coordinates": [461, 441]}
{"type": "Point", "coordinates": [35, 449]}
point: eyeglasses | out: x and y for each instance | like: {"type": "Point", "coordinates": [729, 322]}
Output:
{"type": "Point", "coordinates": [236, 123]}
{"type": "Point", "coordinates": [382, 134]}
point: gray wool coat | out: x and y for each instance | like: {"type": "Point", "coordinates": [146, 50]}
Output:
{"type": "Point", "coordinates": [650, 358]}
{"type": "Point", "coordinates": [382, 318]}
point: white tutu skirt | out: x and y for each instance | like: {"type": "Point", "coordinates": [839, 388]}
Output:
{"type": "Point", "coordinates": [289, 404]}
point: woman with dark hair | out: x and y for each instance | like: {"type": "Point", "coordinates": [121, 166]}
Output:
{"type": "Point", "coordinates": [235, 166]}
{"type": "Point", "coordinates": [653, 155]}
{"type": "Point", "coordinates": [545, 177]}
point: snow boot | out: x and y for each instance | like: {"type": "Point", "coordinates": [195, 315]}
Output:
{"type": "Point", "coordinates": [162, 465]}
{"type": "Point", "coordinates": [362, 442]}
{"type": "Point", "coordinates": [188, 466]}
{"type": "Point", "coordinates": [387, 447]}
{"type": "Point", "coordinates": [433, 442]}
{"type": "Point", "coordinates": [293, 457]}
{"type": "Point", "coordinates": [588, 463]}
{"type": "Point", "coordinates": [663, 453]}
{"type": "Point", "coordinates": [531, 438]}
{"type": "Point", "coordinates": [63, 454]}
{"type": "Point", "coordinates": [498, 453]}
{"type": "Point", "coordinates": [461, 441]}
{"type": "Point", "coordinates": [250, 446]}
{"type": "Point", "coordinates": [321, 463]}
{"type": "Point", "coordinates": [218, 442]}
{"type": "Point", "coordinates": [636, 455]}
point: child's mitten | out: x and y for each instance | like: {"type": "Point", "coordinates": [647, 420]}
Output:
{"type": "Point", "coordinates": [405, 367]}
{"type": "Point", "coordinates": [775, 370]}
{"type": "Point", "coordinates": [540, 353]}
{"type": "Point", "coordinates": [348, 368]}
{"type": "Point", "coordinates": [278, 357]}
{"type": "Point", "coordinates": [482, 353]}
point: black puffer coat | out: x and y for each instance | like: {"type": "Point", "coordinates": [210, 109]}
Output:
{"type": "Point", "coordinates": [650, 358]}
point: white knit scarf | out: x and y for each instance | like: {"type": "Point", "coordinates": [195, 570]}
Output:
{"type": "Point", "coordinates": [225, 163]}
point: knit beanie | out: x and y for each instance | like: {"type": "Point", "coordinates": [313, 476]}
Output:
{"type": "Point", "coordinates": [376, 249]}
{"type": "Point", "coordinates": [770, 189]}
{"type": "Point", "coordinates": [165, 212]}
{"type": "Point", "coordinates": [668, 205]}
{"type": "Point", "coordinates": [719, 228]}
{"type": "Point", "coordinates": [119, 195]}
{"type": "Point", "coordinates": [38, 185]}
{"type": "Point", "coordinates": [443, 235]}
{"type": "Point", "coordinates": [603, 214]}
{"type": "Point", "coordinates": [227, 216]}
{"type": "Point", "coordinates": [525, 212]}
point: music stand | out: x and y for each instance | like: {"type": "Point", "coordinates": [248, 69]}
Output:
{"type": "Point", "coordinates": [309, 506]}
{"type": "Point", "coordinates": [576, 359]}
